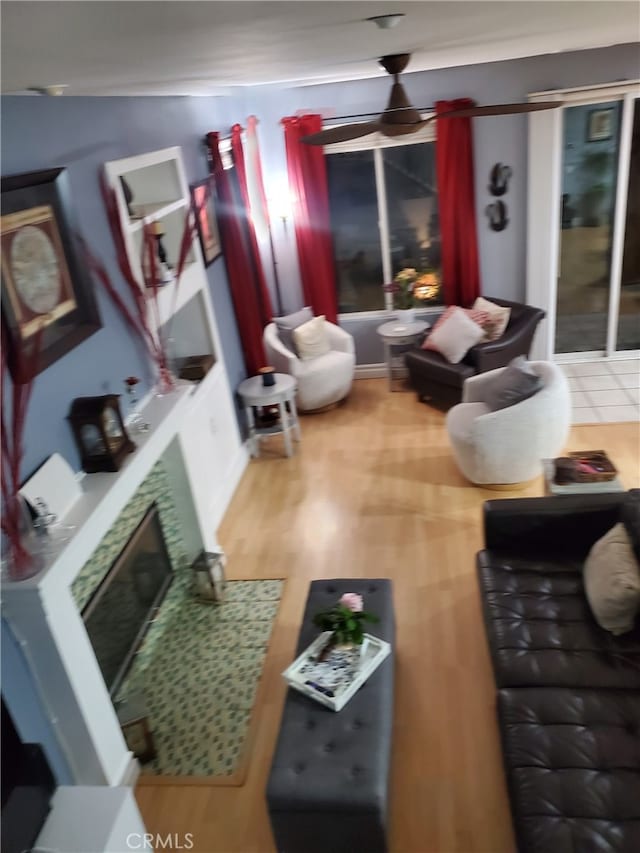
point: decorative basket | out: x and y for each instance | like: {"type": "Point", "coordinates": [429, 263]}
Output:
{"type": "Point", "coordinates": [601, 467]}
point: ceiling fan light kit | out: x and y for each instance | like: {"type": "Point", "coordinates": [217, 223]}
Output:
{"type": "Point", "coordinates": [53, 90]}
{"type": "Point", "coordinates": [400, 117]}
{"type": "Point", "coordinates": [386, 22]}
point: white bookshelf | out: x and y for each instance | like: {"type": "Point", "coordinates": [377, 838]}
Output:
{"type": "Point", "coordinates": [160, 191]}
{"type": "Point", "coordinates": [209, 439]}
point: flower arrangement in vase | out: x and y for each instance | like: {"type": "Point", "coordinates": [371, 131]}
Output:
{"type": "Point", "coordinates": [410, 287]}
{"type": "Point", "coordinates": [345, 620]}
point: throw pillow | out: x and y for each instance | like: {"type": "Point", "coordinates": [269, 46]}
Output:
{"type": "Point", "coordinates": [285, 326]}
{"type": "Point", "coordinates": [499, 317]}
{"type": "Point", "coordinates": [513, 384]}
{"type": "Point", "coordinates": [482, 318]}
{"type": "Point", "coordinates": [612, 581]}
{"type": "Point", "coordinates": [311, 339]}
{"type": "Point", "coordinates": [455, 336]}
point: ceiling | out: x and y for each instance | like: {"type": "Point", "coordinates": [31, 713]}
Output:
{"type": "Point", "coordinates": [125, 47]}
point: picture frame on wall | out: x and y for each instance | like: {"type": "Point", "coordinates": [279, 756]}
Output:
{"type": "Point", "coordinates": [206, 220]}
{"type": "Point", "coordinates": [47, 294]}
{"type": "Point", "coordinates": [600, 125]}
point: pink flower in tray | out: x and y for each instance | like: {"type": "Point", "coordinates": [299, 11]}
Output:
{"type": "Point", "coordinates": [352, 601]}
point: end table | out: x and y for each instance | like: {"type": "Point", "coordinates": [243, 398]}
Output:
{"type": "Point", "coordinates": [255, 394]}
{"type": "Point", "coordinates": [395, 334]}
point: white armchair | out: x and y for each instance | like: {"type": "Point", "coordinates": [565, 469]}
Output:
{"type": "Point", "coordinates": [506, 447]}
{"type": "Point", "coordinates": [322, 381]}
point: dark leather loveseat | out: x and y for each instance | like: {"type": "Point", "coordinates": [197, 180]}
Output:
{"type": "Point", "coordinates": [437, 380]}
{"type": "Point", "coordinates": [568, 691]}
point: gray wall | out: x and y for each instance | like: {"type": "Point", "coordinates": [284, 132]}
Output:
{"type": "Point", "coordinates": [81, 134]}
{"type": "Point", "coordinates": [496, 139]}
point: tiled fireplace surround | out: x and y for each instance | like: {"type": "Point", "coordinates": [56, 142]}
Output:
{"type": "Point", "coordinates": [44, 613]}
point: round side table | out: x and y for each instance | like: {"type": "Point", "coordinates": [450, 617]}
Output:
{"type": "Point", "coordinates": [283, 395]}
{"type": "Point", "coordinates": [395, 334]}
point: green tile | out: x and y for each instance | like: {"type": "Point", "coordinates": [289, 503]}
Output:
{"type": "Point", "coordinates": [199, 676]}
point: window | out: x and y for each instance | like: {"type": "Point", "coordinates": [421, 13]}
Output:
{"type": "Point", "coordinates": [384, 215]}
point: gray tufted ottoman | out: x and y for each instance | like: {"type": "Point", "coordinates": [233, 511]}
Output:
{"type": "Point", "coordinates": [328, 786]}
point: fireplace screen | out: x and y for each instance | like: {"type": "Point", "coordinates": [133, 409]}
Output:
{"type": "Point", "coordinates": [121, 609]}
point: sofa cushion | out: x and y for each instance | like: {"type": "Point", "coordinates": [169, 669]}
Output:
{"type": "Point", "coordinates": [285, 326]}
{"type": "Point", "coordinates": [455, 336]}
{"type": "Point", "coordinates": [311, 338]}
{"type": "Point", "coordinates": [630, 517]}
{"type": "Point", "coordinates": [499, 314]}
{"type": "Point", "coordinates": [573, 768]}
{"type": "Point", "coordinates": [517, 382]}
{"type": "Point", "coordinates": [438, 368]}
{"type": "Point", "coordinates": [482, 318]}
{"type": "Point", "coordinates": [612, 581]}
{"type": "Point", "coordinates": [541, 630]}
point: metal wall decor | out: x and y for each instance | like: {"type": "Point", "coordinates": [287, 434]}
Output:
{"type": "Point", "coordinates": [497, 215]}
{"type": "Point", "coordinates": [496, 211]}
{"type": "Point", "coordinates": [499, 177]}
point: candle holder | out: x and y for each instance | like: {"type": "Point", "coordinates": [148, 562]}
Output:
{"type": "Point", "coordinates": [165, 272]}
{"type": "Point", "coordinates": [135, 422]}
{"type": "Point", "coordinates": [268, 376]}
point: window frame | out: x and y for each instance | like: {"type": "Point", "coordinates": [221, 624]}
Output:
{"type": "Point", "coordinates": [377, 142]}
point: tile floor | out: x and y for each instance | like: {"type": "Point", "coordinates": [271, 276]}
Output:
{"type": "Point", "coordinates": [604, 392]}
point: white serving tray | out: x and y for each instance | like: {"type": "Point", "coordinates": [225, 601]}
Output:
{"type": "Point", "coordinates": [373, 652]}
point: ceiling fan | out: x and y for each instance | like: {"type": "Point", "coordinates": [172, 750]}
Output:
{"type": "Point", "coordinates": [400, 117]}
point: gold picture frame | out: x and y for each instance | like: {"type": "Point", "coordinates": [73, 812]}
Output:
{"type": "Point", "coordinates": [47, 294]}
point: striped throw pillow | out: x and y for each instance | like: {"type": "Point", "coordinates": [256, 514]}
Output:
{"type": "Point", "coordinates": [482, 318]}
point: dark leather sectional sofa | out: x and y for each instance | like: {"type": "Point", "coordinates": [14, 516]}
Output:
{"type": "Point", "coordinates": [568, 692]}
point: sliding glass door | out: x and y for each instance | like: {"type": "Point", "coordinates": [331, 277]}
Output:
{"type": "Point", "coordinates": [597, 307]}
{"type": "Point", "coordinates": [628, 336]}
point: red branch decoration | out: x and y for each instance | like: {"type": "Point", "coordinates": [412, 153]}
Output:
{"type": "Point", "coordinates": [144, 318]}
{"type": "Point", "coordinates": [12, 452]}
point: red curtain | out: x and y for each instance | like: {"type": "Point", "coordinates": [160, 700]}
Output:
{"type": "Point", "coordinates": [243, 282]}
{"type": "Point", "coordinates": [264, 301]}
{"type": "Point", "coordinates": [307, 171]}
{"type": "Point", "coordinates": [456, 203]}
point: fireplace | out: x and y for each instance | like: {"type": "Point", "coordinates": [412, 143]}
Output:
{"type": "Point", "coordinates": [121, 609]}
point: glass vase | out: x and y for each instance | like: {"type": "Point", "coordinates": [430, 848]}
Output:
{"type": "Point", "coordinates": [135, 422]}
{"type": "Point", "coordinates": [22, 552]}
{"type": "Point", "coordinates": [166, 382]}
{"type": "Point", "coordinates": [405, 315]}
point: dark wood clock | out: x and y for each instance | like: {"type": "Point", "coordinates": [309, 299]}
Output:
{"type": "Point", "coordinates": [100, 433]}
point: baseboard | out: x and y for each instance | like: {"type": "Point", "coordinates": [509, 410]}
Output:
{"type": "Point", "coordinates": [229, 483]}
{"type": "Point", "coordinates": [371, 371]}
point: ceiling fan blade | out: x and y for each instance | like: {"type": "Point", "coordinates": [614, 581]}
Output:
{"type": "Point", "coordinates": [389, 129]}
{"type": "Point", "coordinates": [341, 133]}
{"type": "Point", "coordinates": [502, 109]}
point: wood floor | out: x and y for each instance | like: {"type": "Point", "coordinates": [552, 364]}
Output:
{"type": "Point", "coordinates": [373, 492]}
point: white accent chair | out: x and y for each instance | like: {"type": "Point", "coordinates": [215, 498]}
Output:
{"type": "Point", "coordinates": [506, 447]}
{"type": "Point", "coordinates": [322, 381]}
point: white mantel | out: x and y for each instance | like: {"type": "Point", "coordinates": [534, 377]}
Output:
{"type": "Point", "coordinates": [42, 612]}
{"type": "Point", "coordinates": [105, 495]}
